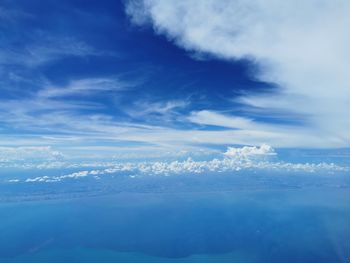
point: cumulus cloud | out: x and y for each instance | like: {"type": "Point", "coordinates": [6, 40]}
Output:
{"type": "Point", "coordinates": [235, 159]}
{"type": "Point", "coordinates": [190, 166]}
{"type": "Point", "coordinates": [250, 151]}
{"type": "Point", "coordinates": [51, 179]}
{"type": "Point", "coordinates": [301, 45]}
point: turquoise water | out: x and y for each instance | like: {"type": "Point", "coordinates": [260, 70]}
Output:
{"type": "Point", "coordinates": [286, 225]}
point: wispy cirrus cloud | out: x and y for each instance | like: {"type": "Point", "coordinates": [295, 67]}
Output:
{"type": "Point", "coordinates": [45, 49]}
{"type": "Point", "coordinates": [142, 108]}
{"type": "Point", "coordinates": [206, 117]}
{"type": "Point", "coordinates": [9, 15]}
{"type": "Point", "coordinates": [64, 109]}
{"type": "Point", "coordinates": [83, 87]}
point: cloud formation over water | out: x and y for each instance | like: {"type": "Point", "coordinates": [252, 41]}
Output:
{"type": "Point", "coordinates": [247, 158]}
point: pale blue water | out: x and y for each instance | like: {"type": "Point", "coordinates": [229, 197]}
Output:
{"type": "Point", "coordinates": [205, 218]}
{"type": "Point", "coordinates": [286, 225]}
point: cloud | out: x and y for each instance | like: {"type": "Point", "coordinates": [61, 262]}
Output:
{"type": "Point", "coordinates": [300, 45]}
{"type": "Point", "coordinates": [48, 49]}
{"type": "Point", "coordinates": [60, 109]}
{"type": "Point", "coordinates": [27, 154]}
{"type": "Point", "coordinates": [191, 167]}
{"type": "Point", "coordinates": [250, 151]}
{"type": "Point", "coordinates": [88, 86]}
{"type": "Point", "coordinates": [234, 159]}
{"type": "Point", "coordinates": [63, 122]}
{"type": "Point", "coordinates": [51, 179]}
{"type": "Point", "coordinates": [207, 117]}
{"type": "Point", "coordinates": [163, 109]}
{"type": "Point", "coordinates": [12, 15]}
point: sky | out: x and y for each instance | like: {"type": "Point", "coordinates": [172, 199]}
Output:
{"type": "Point", "coordinates": [173, 79]}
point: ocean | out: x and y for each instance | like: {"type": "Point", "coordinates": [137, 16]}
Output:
{"type": "Point", "coordinates": [308, 224]}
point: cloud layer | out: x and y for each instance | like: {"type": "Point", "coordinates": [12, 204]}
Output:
{"type": "Point", "coordinates": [233, 160]}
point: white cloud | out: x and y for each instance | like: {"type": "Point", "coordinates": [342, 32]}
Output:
{"type": "Point", "coordinates": [48, 109]}
{"type": "Point", "coordinates": [300, 45]}
{"type": "Point", "coordinates": [84, 87]}
{"type": "Point", "coordinates": [13, 180]}
{"type": "Point", "coordinates": [30, 153]}
{"type": "Point", "coordinates": [158, 110]}
{"type": "Point", "coordinates": [51, 179]}
{"type": "Point", "coordinates": [207, 117]}
{"type": "Point", "coordinates": [250, 151]}
{"type": "Point", "coordinates": [48, 49]}
{"type": "Point", "coordinates": [190, 166]}
{"type": "Point", "coordinates": [235, 159]}
{"type": "Point", "coordinates": [249, 131]}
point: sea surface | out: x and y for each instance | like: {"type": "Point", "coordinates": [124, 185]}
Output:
{"type": "Point", "coordinates": [232, 224]}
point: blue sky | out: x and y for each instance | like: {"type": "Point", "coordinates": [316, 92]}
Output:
{"type": "Point", "coordinates": [142, 78]}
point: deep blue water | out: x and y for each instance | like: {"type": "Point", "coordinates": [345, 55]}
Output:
{"type": "Point", "coordinates": [246, 225]}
